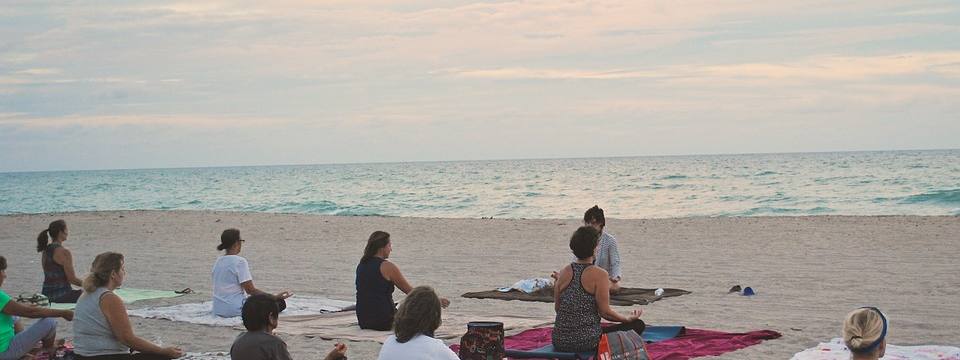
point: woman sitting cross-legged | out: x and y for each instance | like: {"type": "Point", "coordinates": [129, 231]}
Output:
{"type": "Point", "coordinates": [101, 328]}
{"type": "Point", "coordinates": [376, 279]}
{"type": "Point", "coordinates": [413, 327]}
{"type": "Point", "coordinates": [57, 262]}
{"type": "Point", "coordinates": [582, 296]}
{"type": "Point", "coordinates": [16, 342]}
{"type": "Point", "coordinates": [232, 281]}
{"type": "Point", "coordinates": [260, 316]}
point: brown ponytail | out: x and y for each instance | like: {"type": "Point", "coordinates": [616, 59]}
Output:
{"type": "Point", "coordinates": [51, 232]}
{"type": "Point", "coordinates": [104, 265]}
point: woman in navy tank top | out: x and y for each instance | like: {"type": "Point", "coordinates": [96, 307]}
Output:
{"type": "Point", "coordinates": [377, 277]}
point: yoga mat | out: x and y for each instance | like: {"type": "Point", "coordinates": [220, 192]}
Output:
{"type": "Point", "coordinates": [343, 325]}
{"type": "Point", "coordinates": [837, 350]}
{"type": "Point", "coordinates": [128, 295]}
{"type": "Point", "coordinates": [653, 334]}
{"type": "Point", "coordinates": [626, 296]}
{"type": "Point", "coordinates": [202, 313]}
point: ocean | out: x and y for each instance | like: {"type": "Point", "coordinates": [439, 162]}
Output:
{"type": "Point", "coordinates": [843, 183]}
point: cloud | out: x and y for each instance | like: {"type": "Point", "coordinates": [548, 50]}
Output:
{"type": "Point", "coordinates": [186, 121]}
{"type": "Point", "coordinates": [39, 71]}
{"type": "Point", "coordinates": [830, 67]}
{"type": "Point", "coordinates": [552, 74]}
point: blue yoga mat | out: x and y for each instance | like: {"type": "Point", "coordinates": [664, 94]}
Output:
{"type": "Point", "coordinates": [651, 334]}
{"type": "Point", "coordinates": [654, 334]}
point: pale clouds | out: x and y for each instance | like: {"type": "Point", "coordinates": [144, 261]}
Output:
{"type": "Point", "coordinates": [377, 80]}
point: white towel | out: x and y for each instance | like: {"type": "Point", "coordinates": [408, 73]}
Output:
{"type": "Point", "coordinates": [201, 313]}
{"type": "Point", "coordinates": [529, 285]}
{"type": "Point", "coordinates": [837, 350]}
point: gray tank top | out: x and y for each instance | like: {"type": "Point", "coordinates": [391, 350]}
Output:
{"type": "Point", "coordinates": [91, 331]}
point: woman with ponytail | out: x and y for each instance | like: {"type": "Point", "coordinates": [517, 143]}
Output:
{"type": "Point", "coordinates": [16, 342]}
{"type": "Point", "coordinates": [865, 333]}
{"type": "Point", "coordinates": [377, 277]}
{"type": "Point", "coordinates": [57, 262]}
{"type": "Point", "coordinates": [232, 281]}
{"type": "Point", "coordinates": [101, 328]}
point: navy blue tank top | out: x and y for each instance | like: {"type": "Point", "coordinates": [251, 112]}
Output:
{"type": "Point", "coordinates": [374, 296]}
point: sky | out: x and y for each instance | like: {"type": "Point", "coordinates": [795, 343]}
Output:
{"type": "Point", "coordinates": [144, 84]}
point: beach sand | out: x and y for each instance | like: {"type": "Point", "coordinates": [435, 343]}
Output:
{"type": "Point", "coordinates": [808, 272]}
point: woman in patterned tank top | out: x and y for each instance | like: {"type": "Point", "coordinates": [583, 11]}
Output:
{"type": "Point", "coordinates": [582, 296]}
{"type": "Point", "coordinates": [57, 262]}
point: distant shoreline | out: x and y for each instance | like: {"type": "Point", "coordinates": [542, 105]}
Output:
{"type": "Point", "coordinates": [232, 212]}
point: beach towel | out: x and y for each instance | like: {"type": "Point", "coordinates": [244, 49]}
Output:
{"type": "Point", "coordinates": [128, 296]}
{"type": "Point", "coordinates": [539, 338]}
{"type": "Point", "coordinates": [201, 313]}
{"type": "Point", "coordinates": [343, 325]}
{"type": "Point", "coordinates": [626, 296]}
{"type": "Point", "coordinates": [529, 286]}
{"type": "Point", "coordinates": [836, 349]}
{"type": "Point", "coordinates": [687, 343]}
{"type": "Point", "coordinates": [696, 343]}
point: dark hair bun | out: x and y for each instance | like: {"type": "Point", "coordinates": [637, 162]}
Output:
{"type": "Point", "coordinates": [228, 238]}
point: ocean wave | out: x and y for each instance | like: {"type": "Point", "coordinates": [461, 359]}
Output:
{"type": "Point", "coordinates": [673, 177]}
{"type": "Point", "coordinates": [778, 211]}
{"type": "Point", "coordinates": [309, 207]}
{"type": "Point", "coordinates": [766, 173]}
{"type": "Point", "coordinates": [942, 197]}
{"type": "Point", "coordinates": [103, 186]}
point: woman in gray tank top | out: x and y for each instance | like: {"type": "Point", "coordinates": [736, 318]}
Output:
{"type": "Point", "coordinates": [582, 296]}
{"type": "Point", "coordinates": [101, 328]}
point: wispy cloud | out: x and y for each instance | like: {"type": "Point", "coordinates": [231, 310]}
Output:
{"type": "Point", "coordinates": [186, 120]}
{"type": "Point", "coordinates": [830, 67]}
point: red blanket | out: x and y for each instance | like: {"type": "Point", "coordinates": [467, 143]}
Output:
{"type": "Point", "coordinates": [692, 343]}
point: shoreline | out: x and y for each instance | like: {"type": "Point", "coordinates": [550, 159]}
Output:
{"type": "Point", "coordinates": [244, 213]}
{"type": "Point", "coordinates": [808, 271]}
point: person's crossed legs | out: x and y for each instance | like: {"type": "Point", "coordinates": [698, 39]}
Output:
{"type": "Point", "coordinates": [44, 329]}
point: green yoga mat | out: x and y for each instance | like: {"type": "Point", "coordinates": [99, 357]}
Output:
{"type": "Point", "coordinates": [128, 295]}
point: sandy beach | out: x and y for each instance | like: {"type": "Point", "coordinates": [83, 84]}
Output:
{"type": "Point", "coordinates": [808, 271]}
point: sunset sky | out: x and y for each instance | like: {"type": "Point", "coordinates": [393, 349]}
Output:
{"type": "Point", "coordinates": [142, 84]}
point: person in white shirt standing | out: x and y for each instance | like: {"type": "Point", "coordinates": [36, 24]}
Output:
{"type": "Point", "coordinates": [413, 326]}
{"type": "Point", "coordinates": [608, 256]}
{"type": "Point", "coordinates": [232, 282]}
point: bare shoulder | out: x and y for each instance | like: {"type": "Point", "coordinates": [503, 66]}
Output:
{"type": "Point", "coordinates": [595, 272]}
{"type": "Point", "coordinates": [110, 300]}
{"type": "Point", "coordinates": [388, 266]}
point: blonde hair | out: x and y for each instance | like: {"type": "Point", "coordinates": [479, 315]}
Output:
{"type": "Point", "coordinates": [103, 266]}
{"type": "Point", "coordinates": [862, 329]}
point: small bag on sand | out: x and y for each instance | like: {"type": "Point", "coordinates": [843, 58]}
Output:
{"type": "Point", "coordinates": [34, 299]}
{"type": "Point", "coordinates": [483, 341]}
{"type": "Point", "coordinates": [622, 345]}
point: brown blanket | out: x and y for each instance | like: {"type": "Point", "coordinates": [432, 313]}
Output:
{"type": "Point", "coordinates": [343, 325]}
{"type": "Point", "coordinates": [626, 296]}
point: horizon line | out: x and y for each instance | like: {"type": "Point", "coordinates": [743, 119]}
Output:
{"type": "Point", "coordinates": [471, 160]}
